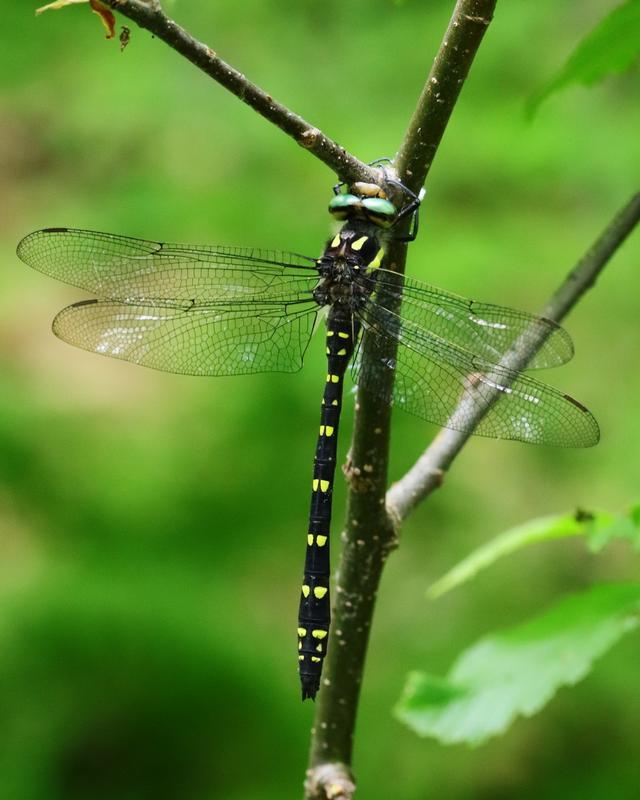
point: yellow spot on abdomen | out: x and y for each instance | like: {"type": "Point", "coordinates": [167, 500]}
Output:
{"type": "Point", "coordinates": [342, 352]}
{"type": "Point", "coordinates": [305, 590]}
{"type": "Point", "coordinates": [302, 631]}
{"type": "Point", "coordinates": [321, 540]}
{"type": "Point", "coordinates": [318, 634]}
{"type": "Point", "coordinates": [315, 659]}
{"type": "Point", "coordinates": [309, 539]}
{"type": "Point", "coordinates": [343, 335]}
{"type": "Point", "coordinates": [300, 658]}
{"type": "Point", "coordinates": [319, 592]}
{"type": "Point", "coordinates": [328, 430]}
{"type": "Point", "coordinates": [315, 484]}
{"type": "Point", "coordinates": [324, 486]}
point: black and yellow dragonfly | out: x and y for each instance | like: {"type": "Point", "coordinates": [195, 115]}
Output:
{"type": "Point", "coordinates": [207, 310]}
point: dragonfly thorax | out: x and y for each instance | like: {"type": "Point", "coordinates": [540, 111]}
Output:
{"type": "Point", "coordinates": [348, 258]}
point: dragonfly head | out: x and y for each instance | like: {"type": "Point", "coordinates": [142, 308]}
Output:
{"type": "Point", "coordinates": [382, 207]}
{"type": "Point", "coordinates": [365, 201]}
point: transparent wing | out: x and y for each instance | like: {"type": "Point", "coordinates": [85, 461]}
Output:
{"type": "Point", "coordinates": [449, 386]}
{"type": "Point", "coordinates": [193, 340]}
{"type": "Point", "coordinates": [153, 273]}
{"type": "Point", "coordinates": [487, 330]}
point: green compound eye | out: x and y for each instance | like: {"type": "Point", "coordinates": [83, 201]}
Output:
{"type": "Point", "coordinates": [342, 205]}
{"type": "Point", "coordinates": [378, 210]}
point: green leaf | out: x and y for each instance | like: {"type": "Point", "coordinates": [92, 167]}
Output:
{"type": "Point", "coordinates": [516, 672]}
{"type": "Point", "coordinates": [620, 526]}
{"type": "Point", "coordinates": [610, 48]}
{"type": "Point", "coordinates": [600, 527]}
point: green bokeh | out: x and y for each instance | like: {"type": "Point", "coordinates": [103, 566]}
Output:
{"type": "Point", "coordinates": [152, 526]}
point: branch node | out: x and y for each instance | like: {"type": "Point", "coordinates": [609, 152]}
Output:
{"type": "Point", "coordinates": [356, 478]}
{"type": "Point", "coordinates": [309, 138]}
{"type": "Point", "coordinates": [331, 781]}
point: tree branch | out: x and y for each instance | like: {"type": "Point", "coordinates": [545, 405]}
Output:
{"type": "Point", "coordinates": [467, 26]}
{"type": "Point", "coordinates": [369, 534]}
{"type": "Point", "coordinates": [148, 14]}
{"type": "Point", "coordinates": [427, 473]}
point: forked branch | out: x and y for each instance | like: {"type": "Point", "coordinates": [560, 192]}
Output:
{"type": "Point", "coordinates": [427, 473]}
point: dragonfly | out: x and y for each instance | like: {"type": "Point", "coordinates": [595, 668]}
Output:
{"type": "Point", "coordinates": [210, 310]}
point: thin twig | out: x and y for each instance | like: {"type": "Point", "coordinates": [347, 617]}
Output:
{"type": "Point", "coordinates": [427, 473]}
{"type": "Point", "coordinates": [369, 534]}
{"type": "Point", "coordinates": [467, 27]}
{"type": "Point", "coordinates": [149, 15]}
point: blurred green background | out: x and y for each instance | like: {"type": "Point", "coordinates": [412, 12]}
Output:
{"type": "Point", "coordinates": [152, 527]}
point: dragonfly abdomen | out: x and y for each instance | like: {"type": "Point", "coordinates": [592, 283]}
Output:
{"type": "Point", "coordinates": [315, 608]}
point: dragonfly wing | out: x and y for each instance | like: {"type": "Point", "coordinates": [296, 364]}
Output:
{"type": "Point", "coordinates": [481, 328]}
{"type": "Point", "coordinates": [139, 271]}
{"type": "Point", "coordinates": [192, 340]}
{"type": "Point", "coordinates": [449, 386]}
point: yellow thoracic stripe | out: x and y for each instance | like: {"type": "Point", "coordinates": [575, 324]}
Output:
{"type": "Point", "coordinates": [359, 243]}
{"type": "Point", "coordinates": [336, 241]}
{"type": "Point", "coordinates": [377, 260]}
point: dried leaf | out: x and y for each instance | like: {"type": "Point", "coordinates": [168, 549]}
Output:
{"type": "Point", "coordinates": [58, 4]}
{"type": "Point", "coordinates": [106, 15]}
